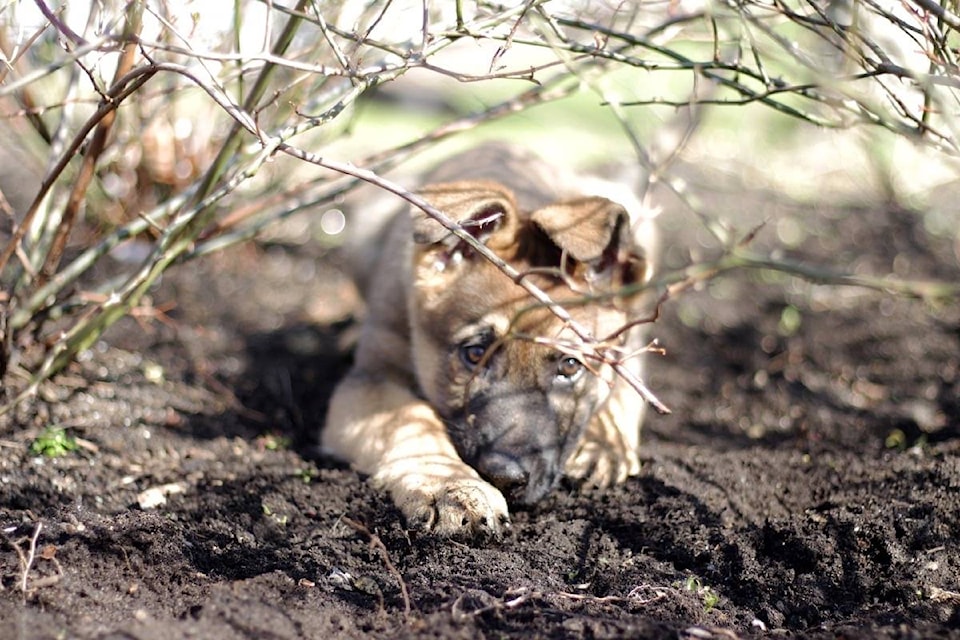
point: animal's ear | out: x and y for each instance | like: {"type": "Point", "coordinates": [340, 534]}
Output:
{"type": "Point", "coordinates": [486, 210]}
{"type": "Point", "coordinates": [595, 233]}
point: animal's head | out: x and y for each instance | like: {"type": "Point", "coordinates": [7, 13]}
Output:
{"type": "Point", "coordinates": [504, 372]}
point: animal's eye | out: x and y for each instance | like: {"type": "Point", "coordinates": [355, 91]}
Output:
{"type": "Point", "coordinates": [472, 353]}
{"type": "Point", "coordinates": [569, 368]}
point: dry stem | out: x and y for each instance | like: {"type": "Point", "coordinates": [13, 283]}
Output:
{"type": "Point", "coordinates": [26, 558]}
{"type": "Point", "coordinates": [377, 543]}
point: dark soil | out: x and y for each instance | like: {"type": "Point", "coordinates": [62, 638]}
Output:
{"type": "Point", "coordinates": [807, 483]}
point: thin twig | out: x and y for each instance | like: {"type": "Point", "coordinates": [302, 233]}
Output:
{"type": "Point", "coordinates": [514, 598]}
{"type": "Point", "coordinates": [938, 10]}
{"type": "Point", "coordinates": [60, 25]}
{"type": "Point", "coordinates": [377, 543]}
{"type": "Point", "coordinates": [579, 43]}
{"type": "Point", "coordinates": [27, 558]}
{"type": "Point", "coordinates": [127, 85]}
{"type": "Point", "coordinates": [96, 146]}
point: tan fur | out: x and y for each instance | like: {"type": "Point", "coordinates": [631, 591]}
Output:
{"type": "Point", "coordinates": [391, 418]}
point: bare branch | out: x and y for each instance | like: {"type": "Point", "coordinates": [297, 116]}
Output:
{"type": "Point", "coordinates": [944, 14]}
{"type": "Point", "coordinates": [798, 58]}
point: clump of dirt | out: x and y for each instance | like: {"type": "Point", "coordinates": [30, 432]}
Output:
{"type": "Point", "coordinates": [807, 483]}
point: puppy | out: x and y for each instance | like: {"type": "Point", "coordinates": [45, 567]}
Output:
{"type": "Point", "coordinates": [465, 394]}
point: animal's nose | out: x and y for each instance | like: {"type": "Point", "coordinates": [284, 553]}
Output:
{"type": "Point", "coordinates": [504, 473]}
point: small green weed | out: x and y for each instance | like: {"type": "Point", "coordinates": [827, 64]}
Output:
{"type": "Point", "coordinates": [273, 442]}
{"type": "Point", "coordinates": [307, 474]}
{"type": "Point", "coordinates": [53, 442]}
{"type": "Point", "coordinates": [710, 597]}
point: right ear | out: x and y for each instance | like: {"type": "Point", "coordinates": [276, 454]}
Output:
{"type": "Point", "coordinates": [485, 210]}
{"type": "Point", "coordinates": [595, 233]}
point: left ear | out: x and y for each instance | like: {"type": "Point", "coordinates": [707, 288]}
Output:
{"type": "Point", "coordinates": [595, 232]}
{"type": "Point", "coordinates": [482, 208]}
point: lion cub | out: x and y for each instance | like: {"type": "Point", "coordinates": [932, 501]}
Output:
{"type": "Point", "coordinates": [465, 395]}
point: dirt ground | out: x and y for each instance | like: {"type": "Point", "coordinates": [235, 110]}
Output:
{"type": "Point", "coordinates": [806, 485]}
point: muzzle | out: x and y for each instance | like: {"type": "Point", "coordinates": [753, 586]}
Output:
{"type": "Point", "coordinates": [518, 444]}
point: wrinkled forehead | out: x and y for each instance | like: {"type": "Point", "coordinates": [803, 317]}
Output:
{"type": "Point", "coordinates": [485, 298]}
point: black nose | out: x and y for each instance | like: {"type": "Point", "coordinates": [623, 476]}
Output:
{"type": "Point", "coordinates": [504, 473]}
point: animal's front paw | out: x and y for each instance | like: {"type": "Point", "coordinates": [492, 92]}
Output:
{"type": "Point", "coordinates": [462, 507]}
{"type": "Point", "coordinates": [604, 457]}
{"type": "Point", "coordinates": [598, 466]}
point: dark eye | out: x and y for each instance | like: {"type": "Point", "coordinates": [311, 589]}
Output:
{"type": "Point", "coordinates": [472, 354]}
{"type": "Point", "coordinates": [569, 368]}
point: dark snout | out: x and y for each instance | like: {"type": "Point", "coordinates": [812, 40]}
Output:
{"type": "Point", "coordinates": [518, 445]}
{"type": "Point", "coordinates": [523, 481]}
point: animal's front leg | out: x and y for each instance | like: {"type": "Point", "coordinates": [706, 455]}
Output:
{"type": "Point", "coordinates": [382, 429]}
